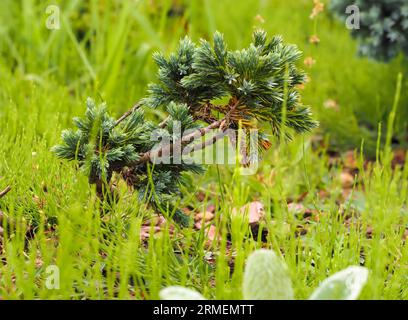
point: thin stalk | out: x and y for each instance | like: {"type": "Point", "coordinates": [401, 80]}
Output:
{"type": "Point", "coordinates": [5, 191]}
{"type": "Point", "coordinates": [128, 113]}
{"type": "Point", "coordinates": [391, 118]}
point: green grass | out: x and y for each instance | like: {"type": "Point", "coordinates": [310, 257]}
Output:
{"type": "Point", "coordinates": [45, 77]}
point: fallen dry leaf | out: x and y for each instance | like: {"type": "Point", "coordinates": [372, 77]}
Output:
{"type": "Point", "coordinates": [350, 161]}
{"type": "Point", "coordinates": [405, 235]}
{"type": "Point", "coordinates": [211, 233]}
{"type": "Point", "coordinates": [204, 216]}
{"type": "Point", "coordinates": [316, 217]}
{"type": "Point", "coordinates": [187, 210]}
{"type": "Point", "coordinates": [145, 231]}
{"type": "Point", "coordinates": [323, 194]}
{"type": "Point", "coordinates": [200, 196]}
{"type": "Point", "coordinates": [211, 208]}
{"type": "Point", "coordinates": [157, 220]}
{"type": "Point", "coordinates": [345, 194]}
{"type": "Point", "coordinates": [399, 158]}
{"type": "Point", "coordinates": [347, 180]}
{"type": "Point", "coordinates": [254, 210]}
{"type": "Point", "coordinates": [296, 208]}
{"type": "Point", "coordinates": [199, 224]}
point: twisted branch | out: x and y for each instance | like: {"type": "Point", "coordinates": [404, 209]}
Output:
{"type": "Point", "coordinates": [216, 124]}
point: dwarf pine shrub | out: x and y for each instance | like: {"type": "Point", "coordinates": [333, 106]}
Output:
{"type": "Point", "coordinates": [202, 87]}
{"type": "Point", "coordinates": [383, 31]}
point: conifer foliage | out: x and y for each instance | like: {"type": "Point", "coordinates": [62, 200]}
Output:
{"type": "Point", "coordinates": [383, 32]}
{"type": "Point", "coordinates": [257, 85]}
{"type": "Point", "coordinates": [256, 80]}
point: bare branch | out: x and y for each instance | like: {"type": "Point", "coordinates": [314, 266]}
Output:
{"type": "Point", "coordinates": [128, 113]}
{"type": "Point", "coordinates": [147, 156]}
{"type": "Point", "coordinates": [164, 122]}
{"type": "Point", "coordinates": [208, 142]}
{"type": "Point", "coordinates": [5, 191]}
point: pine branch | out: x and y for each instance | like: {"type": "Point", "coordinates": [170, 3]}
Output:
{"type": "Point", "coordinates": [208, 142]}
{"type": "Point", "coordinates": [150, 155]}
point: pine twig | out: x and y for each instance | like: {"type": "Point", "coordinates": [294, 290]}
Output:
{"type": "Point", "coordinates": [164, 122]}
{"type": "Point", "coordinates": [5, 191]}
{"type": "Point", "coordinates": [128, 113]}
{"type": "Point", "coordinates": [133, 109]}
